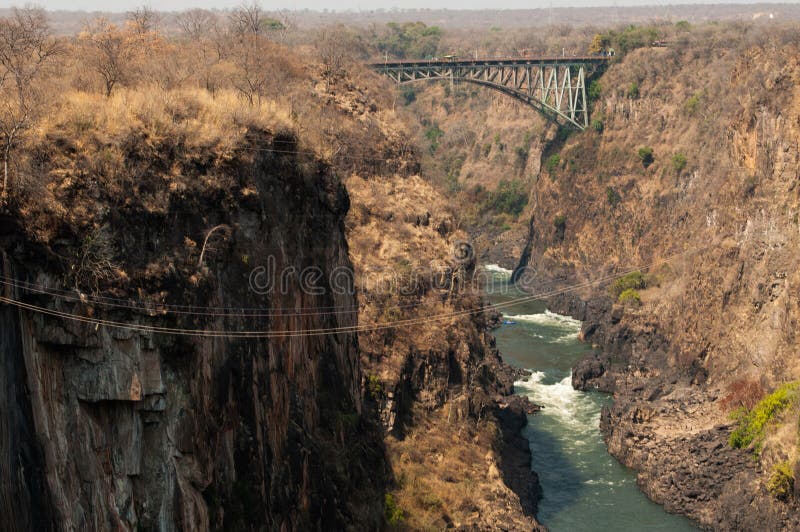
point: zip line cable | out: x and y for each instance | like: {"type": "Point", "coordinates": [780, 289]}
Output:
{"type": "Point", "coordinates": [332, 330]}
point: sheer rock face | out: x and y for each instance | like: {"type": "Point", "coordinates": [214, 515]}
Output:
{"type": "Point", "coordinates": [437, 379]}
{"type": "Point", "coordinates": [109, 428]}
{"type": "Point", "coordinates": [721, 234]}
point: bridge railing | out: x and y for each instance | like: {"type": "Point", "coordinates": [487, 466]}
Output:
{"type": "Point", "coordinates": [596, 59]}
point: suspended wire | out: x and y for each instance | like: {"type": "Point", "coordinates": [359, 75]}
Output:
{"type": "Point", "coordinates": [348, 156]}
{"type": "Point", "coordinates": [192, 310]}
{"type": "Point", "coordinates": [332, 330]}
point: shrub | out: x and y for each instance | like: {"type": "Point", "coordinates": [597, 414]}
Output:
{"type": "Point", "coordinates": [429, 501]}
{"type": "Point", "coordinates": [409, 96]}
{"type": "Point", "coordinates": [522, 154]}
{"type": "Point", "coordinates": [552, 163]}
{"type": "Point", "coordinates": [749, 185]}
{"type": "Point", "coordinates": [434, 135]}
{"type": "Point", "coordinates": [742, 393]}
{"type": "Point", "coordinates": [451, 183]}
{"type": "Point", "coordinates": [752, 424]}
{"type": "Point", "coordinates": [630, 296]}
{"type": "Point", "coordinates": [393, 513]}
{"type": "Point", "coordinates": [781, 481]}
{"type": "Point", "coordinates": [692, 103]}
{"type": "Point", "coordinates": [678, 162]}
{"type": "Point", "coordinates": [560, 223]}
{"type": "Point", "coordinates": [612, 196]}
{"type": "Point", "coordinates": [509, 198]}
{"type": "Point", "coordinates": [630, 281]}
{"type": "Point", "coordinates": [633, 91]}
{"type": "Point", "coordinates": [594, 91]}
{"type": "Point", "coordinates": [597, 125]}
{"type": "Point", "coordinates": [683, 25]}
{"type": "Point", "coordinates": [646, 156]}
{"type": "Point", "coordinates": [374, 387]}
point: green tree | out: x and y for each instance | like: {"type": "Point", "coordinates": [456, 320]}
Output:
{"type": "Point", "coordinates": [434, 135]}
{"type": "Point", "coordinates": [599, 44]}
{"type": "Point", "coordinates": [552, 163]}
{"type": "Point", "coordinates": [693, 102]}
{"type": "Point", "coordinates": [781, 481]}
{"type": "Point", "coordinates": [678, 162]}
{"type": "Point", "coordinates": [510, 197]}
{"type": "Point", "coordinates": [594, 91]}
{"type": "Point", "coordinates": [612, 196]}
{"type": "Point", "coordinates": [410, 40]}
{"type": "Point", "coordinates": [646, 156]}
{"type": "Point", "coordinates": [630, 297]}
{"type": "Point", "coordinates": [629, 281]}
{"type": "Point", "coordinates": [392, 512]}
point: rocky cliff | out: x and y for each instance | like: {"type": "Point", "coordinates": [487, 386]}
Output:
{"type": "Point", "coordinates": [434, 380]}
{"type": "Point", "coordinates": [476, 144]}
{"type": "Point", "coordinates": [156, 246]}
{"type": "Point", "coordinates": [689, 173]}
{"type": "Point", "coordinates": [126, 428]}
{"type": "Point", "coordinates": [437, 381]}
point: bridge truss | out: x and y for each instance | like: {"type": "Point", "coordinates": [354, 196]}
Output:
{"type": "Point", "coordinates": [556, 87]}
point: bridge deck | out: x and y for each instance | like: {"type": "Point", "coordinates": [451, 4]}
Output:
{"type": "Point", "coordinates": [506, 61]}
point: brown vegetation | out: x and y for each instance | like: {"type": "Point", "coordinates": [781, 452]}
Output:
{"type": "Point", "coordinates": [742, 393]}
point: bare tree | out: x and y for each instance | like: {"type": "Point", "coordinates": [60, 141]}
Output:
{"type": "Point", "coordinates": [197, 24]}
{"type": "Point", "coordinates": [285, 24]}
{"type": "Point", "coordinates": [210, 44]}
{"type": "Point", "coordinates": [26, 47]}
{"type": "Point", "coordinates": [109, 52]}
{"type": "Point", "coordinates": [253, 68]}
{"type": "Point", "coordinates": [248, 19]}
{"type": "Point", "coordinates": [114, 52]}
{"type": "Point", "coordinates": [336, 47]}
{"type": "Point", "coordinates": [144, 20]}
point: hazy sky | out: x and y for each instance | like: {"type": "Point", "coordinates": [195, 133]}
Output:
{"type": "Point", "coordinates": [176, 5]}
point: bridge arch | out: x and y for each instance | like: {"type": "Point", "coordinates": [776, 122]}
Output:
{"type": "Point", "coordinates": [554, 87]}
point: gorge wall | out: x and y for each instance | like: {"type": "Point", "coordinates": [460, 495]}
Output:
{"type": "Point", "coordinates": [710, 217]}
{"type": "Point", "coordinates": [714, 214]}
{"type": "Point", "coordinates": [135, 429]}
{"type": "Point", "coordinates": [153, 209]}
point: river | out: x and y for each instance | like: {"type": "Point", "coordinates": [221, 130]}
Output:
{"type": "Point", "coordinates": [585, 488]}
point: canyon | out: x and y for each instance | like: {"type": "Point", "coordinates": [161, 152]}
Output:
{"type": "Point", "coordinates": [151, 382]}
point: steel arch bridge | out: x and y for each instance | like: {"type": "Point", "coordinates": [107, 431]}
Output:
{"type": "Point", "coordinates": [554, 86]}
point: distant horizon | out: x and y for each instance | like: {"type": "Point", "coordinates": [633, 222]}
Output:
{"type": "Point", "coordinates": [357, 6]}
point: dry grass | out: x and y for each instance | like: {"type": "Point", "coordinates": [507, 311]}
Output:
{"type": "Point", "coordinates": [443, 471]}
{"type": "Point", "coordinates": [195, 116]}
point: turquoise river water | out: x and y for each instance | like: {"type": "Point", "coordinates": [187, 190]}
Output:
{"type": "Point", "coordinates": [585, 488]}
